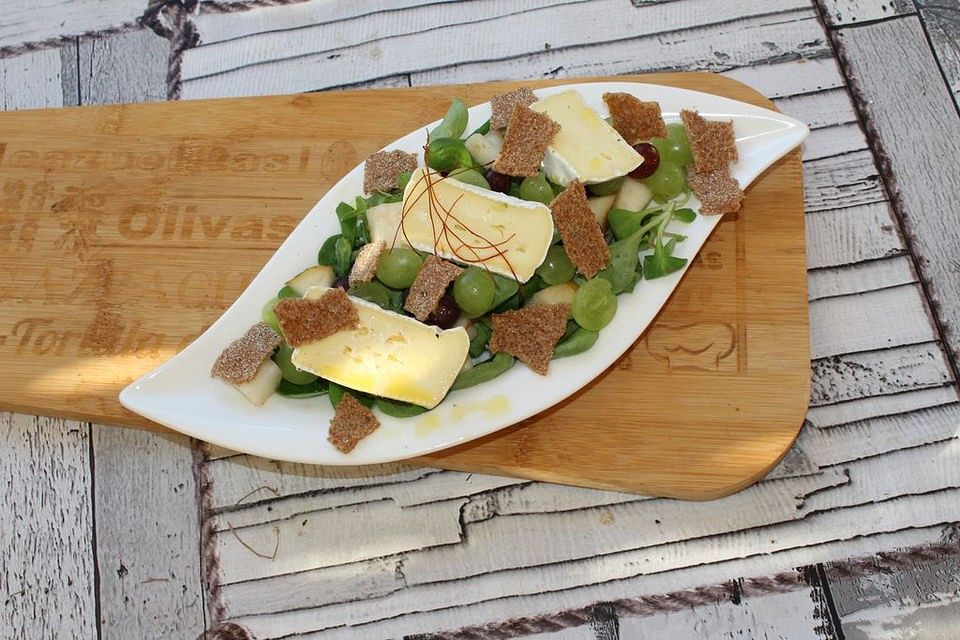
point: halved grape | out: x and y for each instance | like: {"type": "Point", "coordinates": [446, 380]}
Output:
{"type": "Point", "coordinates": [473, 291]}
{"type": "Point", "coordinates": [594, 304]}
{"type": "Point", "coordinates": [399, 267]}
{"type": "Point", "coordinates": [556, 268]}
{"type": "Point", "coordinates": [446, 314]}
{"type": "Point", "coordinates": [498, 181]}
{"type": "Point", "coordinates": [607, 188]}
{"type": "Point", "coordinates": [470, 176]}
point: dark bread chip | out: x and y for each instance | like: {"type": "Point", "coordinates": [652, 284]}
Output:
{"type": "Point", "coordinates": [530, 333]}
{"type": "Point", "coordinates": [351, 423]}
{"type": "Point", "coordinates": [382, 168]}
{"type": "Point", "coordinates": [579, 229]}
{"type": "Point", "coordinates": [241, 360]}
{"type": "Point", "coordinates": [501, 106]}
{"type": "Point", "coordinates": [429, 286]}
{"type": "Point", "coordinates": [635, 119]}
{"type": "Point", "coordinates": [304, 321]}
{"type": "Point", "coordinates": [528, 136]}
{"type": "Point", "coordinates": [713, 143]}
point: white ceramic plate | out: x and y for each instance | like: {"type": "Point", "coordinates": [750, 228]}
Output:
{"type": "Point", "coordinates": [181, 395]}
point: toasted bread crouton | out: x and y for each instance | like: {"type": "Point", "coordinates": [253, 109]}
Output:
{"type": "Point", "coordinates": [429, 286]}
{"type": "Point", "coordinates": [718, 192]}
{"type": "Point", "coordinates": [242, 358]}
{"type": "Point", "coordinates": [581, 234]}
{"type": "Point", "coordinates": [351, 423]}
{"type": "Point", "coordinates": [368, 259]}
{"type": "Point", "coordinates": [308, 320]}
{"type": "Point", "coordinates": [713, 144]}
{"type": "Point", "coordinates": [530, 333]}
{"type": "Point", "coordinates": [635, 119]}
{"type": "Point", "coordinates": [501, 106]}
{"type": "Point", "coordinates": [382, 168]}
{"type": "Point", "coordinates": [528, 136]}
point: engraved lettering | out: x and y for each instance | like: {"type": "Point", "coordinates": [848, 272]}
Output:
{"type": "Point", "coordinates": [281, 227]}
{"type": "Point", "coordinates": [187, 291]}
{"type": "Point", "coordinates": [29, 325]}
{"type": "Point", "coordinates": [304, 158]}
{"type": "Point", "coordinates": [137, 224]}
{"type": "Point", "coordinates": [170, 222]}
{"type": "Point", "coordinates": [23, 159]}
{"type": "Point", "coordinates": [12, 198]}
{"type": "Point", "coordinates": [3, 151]}
{"type": "Point", "coordinates": [245, 162]}
{"type": "Point", "coordinates": [186, 231]}
{"type": "Point", "coordinates": [211, 229]}
{"type": "Point", "coordinates": [275, 162]}
{"type": "Point", "coordinates": [39, 194]}
{"type": "Point", "coordinates": [121, 161]}
{"type": "Point", "coordinates": [28, 233]}
{"type": "Point", "coordinates": [151, 161]}
{"type": "Point", "coordinates": [56, 160]}
{"type": "Point", "coordinates": [88, 160]}
{"type": "Point", "coordinates": [217, 158]}
{"type": "Point", "coordinates": [249, 229]}
{"type": "Point", "coordinates": [155, 289]}
{"type": "Point", "coordinates": [186, 158]}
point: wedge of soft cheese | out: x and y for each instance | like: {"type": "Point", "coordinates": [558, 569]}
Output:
{"type": "Point", "coordinates": [458, 221]}
{"type": "Point", "coordinates": [387, 355]}
{"type": "Point", "coordinates": [586, 147]}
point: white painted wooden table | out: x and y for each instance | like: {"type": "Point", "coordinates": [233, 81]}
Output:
{"type": "Point", "coordinates": [110, 533]}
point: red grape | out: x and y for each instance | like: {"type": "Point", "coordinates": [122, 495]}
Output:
{"type": "Point", "coordinates": [446, 313]}
{"type": "Point", "coordinates": [651, 160]}
{"type": "Point", "coordinates": [498, 181]}
{"type": "Point", "coordinates": [343, 282]}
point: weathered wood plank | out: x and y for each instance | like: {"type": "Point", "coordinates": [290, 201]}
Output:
{"type": "Point", "coordinates": [916, 602]}
{"type": "Point", "coordinates": [846, 12]}
{"type": "Point", "coordinates": [942, 22]}
{"type": "Point", "coordinates": [738, 43]}
{"type": "Point", "coordinates": [31, 81]}
{"type": "Point", "coordinates": [564, 27]}
{"type": "Point", "coordinates": [130, 67]}
{"type": "Point", "coordinates": [877, 436]}
{"type": "Point", "coordinates": [828, 282]}
{"type": "Point", "coordinates": [148, 535]}
{"type": "Point", "coordinates": [847, 180]}
{"type": "Point", "coordinates": [47, 573]}
{"type": "Point", "coordinates": [832, 415]}
{"type": "Point", "coordinates": [516, 592]}
{"type": "Point", "coordinates": [822, 109]}
{"type": "Point", "coordinates": [837, 325]}
{"type": "Point", "coordinates": [791, 78]}
{"type": "Point", "coordinates": [797, 615]}
{"type": "Point", "coordinates": [874, 373]}
{"type": "Point", "coordinates": [914, 137]}
{"type": "Point", "coordinates": [855, 234]}
{"type": "Point", "coordinates": [33, 22]}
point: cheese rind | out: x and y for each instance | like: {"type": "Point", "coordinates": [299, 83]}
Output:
{"type": "Point", "coordinates": [506, 235]}
{"type": "Point", "coordinates": [586, 147]}
{"type": "Point", "coordinates": [388, 355]}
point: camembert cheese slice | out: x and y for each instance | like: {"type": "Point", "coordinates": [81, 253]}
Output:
{"type": "Point", "coordinates": [387, 355]}
{"type": "Point", "coordinates": [475, 226]}
{"type": "Point", "coordinates": [586, 147]}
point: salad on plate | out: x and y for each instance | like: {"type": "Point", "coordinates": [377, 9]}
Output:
{"type": "Point", "coordinates": [508, 246]}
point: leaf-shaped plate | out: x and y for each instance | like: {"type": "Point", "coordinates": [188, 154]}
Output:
{"type": "Point", "coordinates": [181, 395]}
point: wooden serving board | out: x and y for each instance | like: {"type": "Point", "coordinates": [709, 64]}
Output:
{"type": "Point", "coordinates": [126, 230]}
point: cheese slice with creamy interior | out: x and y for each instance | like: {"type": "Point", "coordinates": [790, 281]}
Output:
{"type": "Point", "coordinates": [475, 226]}
{"type": "Point", "coordinates": [388, 355]}
{"type": "Point", "coordinates": [586, 147]}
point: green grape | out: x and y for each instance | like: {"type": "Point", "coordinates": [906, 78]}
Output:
{"type": "Point", "coordinates": [536, 189]}
{"type": "Point", "coordinates": [287, 292]}
{"type": "Point", "coordinates": [288, 370]}
{"type": "Point", "coordinates": [556, 268]}
{"type": "Point", "coordinates": [667, 181]}
{"type": "Point", "coordinates": [594, 304]}
{"type": "Point", "coordinates": [675, 148]}
{"type": "Point", "coordinates": [399, 267]}
{"type": "Point", "coordinates": [607, 188]}
{"type": "Point", "coordinates": [268, 316]}
{"type": "Point", "coordinates": [474, 290]}
{"type": "Point", "coordinates": [470, 176]}
{"type": "Point", "coordinates": [680, 149]}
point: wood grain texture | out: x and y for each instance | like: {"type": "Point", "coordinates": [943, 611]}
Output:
{"type": "Point", "coordinates": [47, 574]}
{"type": "Point", "coordinates": [912, 136]}
{"type": "Point", "coordinates": [103, 230]}
{"type": "Point", "coordinates": [841, 13]}
{"type": "Point", "coordinates": [147, 534]}
{"type": "Point", "coordinates": [56, 19]}
{"type": "Point", "coordinates": [941, 22]}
